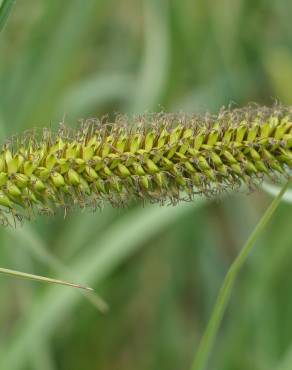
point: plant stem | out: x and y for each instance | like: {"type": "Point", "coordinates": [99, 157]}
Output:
{"type": "Point", "coordinates": [5, 9]}
{"type": "Point", "coordinates": [208, 338]}
{"type": "Point", "coordinates": [24, 275]}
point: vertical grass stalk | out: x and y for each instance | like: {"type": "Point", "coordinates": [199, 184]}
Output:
{"type": "Point", "coordinates": [209, 336]}
{"type": "Point", "coordinates": [5, 9]}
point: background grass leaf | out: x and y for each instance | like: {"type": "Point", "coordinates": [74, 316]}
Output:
{"type": "Point", "coordinates": [94, 265]}
{"type": "Point", "coordinates": [5, 10]}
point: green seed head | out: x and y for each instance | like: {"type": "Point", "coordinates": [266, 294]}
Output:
{"type": "Point", "coordinates": [157, 158]}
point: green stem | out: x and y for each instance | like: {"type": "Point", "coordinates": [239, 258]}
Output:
{"type": "Point", "coordinates": [24, 275]}
{"type": "Point", "coordinates": [5, 9]}
{"type": "Point", "coordinates": [208, 338]}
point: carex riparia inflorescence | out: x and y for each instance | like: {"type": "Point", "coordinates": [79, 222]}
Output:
{"type": "Point", "coordinates": [155, 157]}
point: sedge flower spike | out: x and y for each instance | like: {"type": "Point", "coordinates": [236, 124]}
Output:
{"type": "Point", "coordinates": [156, 157]}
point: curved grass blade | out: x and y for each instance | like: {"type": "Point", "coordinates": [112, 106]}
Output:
{"type": "Point", "coordinates": [24, 275]}
{"type": "Point", "coordinates": [5, 9]}
{"type": "Point", "coordinates": [209, 336]}
{"type": "Point", "coordinates": [152, 77]}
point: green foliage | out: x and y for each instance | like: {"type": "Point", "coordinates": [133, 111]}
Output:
{"type": "Point", "coordinates": [77, 59]}
{"type": "Point", "coordinates": [5, 9]}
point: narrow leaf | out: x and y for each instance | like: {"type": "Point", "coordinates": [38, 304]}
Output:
{"type": "Point", "coordinates": [5, 9]}
{"type": "Point", "coordinates": [24, 275]}
{"type": "Point", "coordinates": [224, 294]}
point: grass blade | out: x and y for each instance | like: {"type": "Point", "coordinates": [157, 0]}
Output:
{"type": "Point", "coordinates": [24, 275]}
{"type": "Point", "coordinates": [274, 190]}
{"type": "Point", "coordinates": [152, 77]}
{"type": "Point", "coordinates": [5, 9]}
{"type": "Point", "coordinates": [209, 336]}
{"type": "Point", "coordinates": [41, 357]}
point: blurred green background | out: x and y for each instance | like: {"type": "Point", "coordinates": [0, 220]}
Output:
{"type": "Point", "coordinates": [159, 269]}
